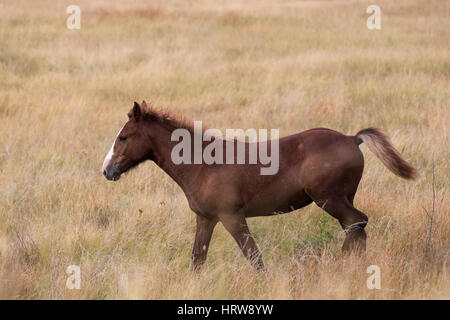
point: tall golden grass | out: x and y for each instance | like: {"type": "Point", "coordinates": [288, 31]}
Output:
{"type": "Point", "coordinates": [292, 65]}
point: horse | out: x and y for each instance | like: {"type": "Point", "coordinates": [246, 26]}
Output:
{"type": "Point", "coordinates": [318, 165]}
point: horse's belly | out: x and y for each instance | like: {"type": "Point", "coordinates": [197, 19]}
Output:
{"type": "Point", "coordinates": [266, 205]}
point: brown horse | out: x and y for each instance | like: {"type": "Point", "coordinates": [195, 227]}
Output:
{"type": "Point", "coordinates": [319, 165]}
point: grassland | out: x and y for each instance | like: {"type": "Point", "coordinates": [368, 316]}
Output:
{"type": "Point", "coordinates": [291, 65]}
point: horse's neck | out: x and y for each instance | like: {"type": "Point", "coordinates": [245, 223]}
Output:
{"type": "Point", "coordinates": [182, 174]}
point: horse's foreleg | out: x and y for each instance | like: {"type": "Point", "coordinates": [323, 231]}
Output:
{"type": "Point", "coordinates": [237, 226]}
{"type": "Point", "coordinates": [205, 228]}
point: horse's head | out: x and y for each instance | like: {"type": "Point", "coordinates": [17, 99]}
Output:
{"type": "Point", "coordinates": [130, 148]}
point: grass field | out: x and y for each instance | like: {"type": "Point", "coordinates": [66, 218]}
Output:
{"type": "Point", "coordinates": [291, 65]}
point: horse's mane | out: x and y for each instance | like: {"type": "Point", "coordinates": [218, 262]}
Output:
{"type": "Point", "coordinates": [162, 115]}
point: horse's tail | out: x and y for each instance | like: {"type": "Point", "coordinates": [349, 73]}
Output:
{"type": "Point", "coordinates": [379, 143]}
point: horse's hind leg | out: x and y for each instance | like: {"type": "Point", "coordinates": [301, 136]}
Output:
{"type": "Point", "coordinates": [352, 221]}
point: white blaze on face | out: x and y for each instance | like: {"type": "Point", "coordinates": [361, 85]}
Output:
{"type": "Point", "coordinates": [110, 153]}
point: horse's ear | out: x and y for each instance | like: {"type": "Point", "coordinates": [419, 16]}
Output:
{"type": "Point", "coordinates": [144, 104]}
{"type": "Point", "coordinates": [136, 113]}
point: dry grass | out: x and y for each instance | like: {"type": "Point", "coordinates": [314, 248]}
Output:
{"type": "Point", "coordinates": [233, 64]}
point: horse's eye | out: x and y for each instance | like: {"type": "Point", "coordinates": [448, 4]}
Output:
{"type": "Point", "coordinates": [122, 138]}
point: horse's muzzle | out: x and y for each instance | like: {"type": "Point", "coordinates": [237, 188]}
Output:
{"type": "Point", "coordinates": [111, 172]}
